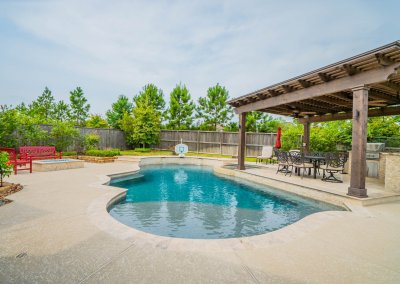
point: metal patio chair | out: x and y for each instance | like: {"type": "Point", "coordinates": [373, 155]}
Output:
{"type": "Point", "coordinates": [284, 163]}
{"type": "Point", "coordinates": [299, 162]}
{"type": "Point", "coordinates": [334, 164]}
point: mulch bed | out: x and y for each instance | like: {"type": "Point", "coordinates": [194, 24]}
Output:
{"type": "Point", "coordinates": [7, 189]}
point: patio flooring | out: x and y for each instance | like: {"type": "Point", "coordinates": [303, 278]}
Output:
{"type": "Point", "coordinates": [57, 230]}
{"type": "Point", "coordinates": [376, 189]}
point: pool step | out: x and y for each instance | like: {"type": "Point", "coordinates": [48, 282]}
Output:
{"type": "Point", "coordinates": [128, 159]}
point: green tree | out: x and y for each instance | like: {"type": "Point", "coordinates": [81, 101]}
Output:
{"type": "Point", "coordinates": [384, 126]}
{"type": "Point", "coordinates": [115, 114]}
{"type": "Point", "coordinates": [61, 111]}
{"type": "Point", "coordinates": [79, 106]}
{"type": "Point", "coordinates": [291, 134]}
{"type": "Point", "coordinates": [17, 128]}
{"type": "Point", "coordinates": [96, 121]}
{"type": "Point", "coordinates": [42, 109]}
{"type": "Point", "coordinates": [126, 124]}
{"type": "Point", "coordinates": [270, 124]}
{"type": "Point", "coordinates": [22, 108]}
{"type": "Point", "coordinates": [8, 126]}
{"type": "Point", "coordinates": [232, 127]}
{"type": "Point", "coordinates": [153, 96]}
{"type": "Point", "coordinates": [180, 111]}
{"type": "Point", "coordinates": [28, 132]}
{"type": "Point", "coordinates": [144, 128]}
{"type": "Point", "coordinates": [5, 167]}
{"type": "Point", "coordinates": [213, 110]}
{"type": "Point", "coordinates": [63, 135]}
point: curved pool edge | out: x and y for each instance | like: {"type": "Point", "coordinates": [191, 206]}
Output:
{"type": "Point", "coordinates": [98, 213]}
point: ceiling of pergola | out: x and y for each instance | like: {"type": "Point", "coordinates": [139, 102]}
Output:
{"type": "Point", "coordinates": [381, 94]}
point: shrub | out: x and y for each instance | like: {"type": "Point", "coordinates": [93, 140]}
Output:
{"type": "Point", "coordinates": [92, 141]}
{"type": "Point", "coordinates": [143, 150]}
{"type": "Point", "coordinates": [17, 128]}
{"type": "Point", "coordinates": [70, 153]}
{"type": "Point", "coordinates": [103, 153]}
{"type": "Point", "coordinates": [63, 134]}
{"type": "Point", "coordinates": [5, 167]}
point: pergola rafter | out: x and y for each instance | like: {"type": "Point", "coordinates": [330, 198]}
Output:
{"type": "Point", "coordinates": [355, 88]}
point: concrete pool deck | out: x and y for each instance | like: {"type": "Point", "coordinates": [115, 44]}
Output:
{"type": "Point", "coordinates": [57, 230]}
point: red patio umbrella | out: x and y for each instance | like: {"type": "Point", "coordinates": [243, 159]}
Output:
{"type": "Point", "coordinates": [278, 139]}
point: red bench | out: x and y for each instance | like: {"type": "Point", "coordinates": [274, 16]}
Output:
{"type": "Point", "coordinates": [39, 152]}
{"type": "Point", "coordinates": [18, 164]}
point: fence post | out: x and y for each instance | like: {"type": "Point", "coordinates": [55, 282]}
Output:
{"type": "Point", "coordinates": [198, 141]}
{"type": "Point", "coordinates": [221, 138]}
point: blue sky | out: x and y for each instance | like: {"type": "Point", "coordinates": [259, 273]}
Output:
{"type": "Point", "coordinates": [116, 47]}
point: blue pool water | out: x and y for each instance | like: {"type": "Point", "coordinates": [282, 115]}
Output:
{"type": "Point", "coordinates": [192, 202]}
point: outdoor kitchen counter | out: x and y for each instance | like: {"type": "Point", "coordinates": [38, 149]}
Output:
{"type": "Point", "coordinates": [389, 170]}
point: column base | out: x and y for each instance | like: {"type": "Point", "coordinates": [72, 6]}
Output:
{"type": "Point", "coordinates": [357, 192]}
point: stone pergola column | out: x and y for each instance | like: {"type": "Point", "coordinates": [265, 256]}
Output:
{"type": "Point", "coordinates": [359, 142]}
{"type": "Point", "coordinates": [242, 141]}
{"type": "Point", "coordinates": [306, 137]}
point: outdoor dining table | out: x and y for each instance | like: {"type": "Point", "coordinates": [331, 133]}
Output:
{"type": "Point", "coordinates": [316, 161]}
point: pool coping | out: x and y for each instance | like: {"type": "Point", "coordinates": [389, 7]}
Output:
{"type": "Point", "coordinates": [98, 214]}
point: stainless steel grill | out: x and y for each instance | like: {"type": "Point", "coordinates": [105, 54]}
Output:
{"type": "Point", "coordinates": [373, 150]}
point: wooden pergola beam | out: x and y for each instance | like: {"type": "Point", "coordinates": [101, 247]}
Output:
{"type": "Point", "coordinates": [349, 69]}
{"type": "Point", "coordinates": [324, 77]}
{"type": "Point", "coordinates": [382, 96]}
{"type": "Point", "coordinates": [338, 102]}
{"type": "Point", "coordinates": [304, 83]}
{"type": "Point", "coordinates": [390, 85]}
{"type": "Point", "coordinates": [348, 115]}
{"type": "Point", "coordinates": [383, 60]}
{"type": "Point", "coordinates": [334, 86]}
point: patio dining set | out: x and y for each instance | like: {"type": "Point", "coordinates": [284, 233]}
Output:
{"type": "Point", "coordinates": [294, 161]}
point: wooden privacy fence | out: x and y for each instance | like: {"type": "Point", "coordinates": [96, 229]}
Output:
{"type": "Point", "coordinates": [212, 142]}
{"type": "Point", "coordinates": [215, 142]}
{"type": "Point", "coordinates": [109, 138]}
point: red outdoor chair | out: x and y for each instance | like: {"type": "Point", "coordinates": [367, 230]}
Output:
{"type": "Point", "coordinates": [24, 164]}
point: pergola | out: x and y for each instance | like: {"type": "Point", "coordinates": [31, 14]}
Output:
{"type": "Point", "coordinates": [356, 88]}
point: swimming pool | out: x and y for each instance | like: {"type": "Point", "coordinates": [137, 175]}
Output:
{"type": "Point", "coordinates": [190, 201]}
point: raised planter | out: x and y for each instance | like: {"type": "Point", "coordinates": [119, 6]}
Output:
{"type": "Point", "coordinates": [94, 159]}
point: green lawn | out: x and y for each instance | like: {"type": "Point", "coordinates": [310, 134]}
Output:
{"type": "Point", "coordinates": [169, 153]}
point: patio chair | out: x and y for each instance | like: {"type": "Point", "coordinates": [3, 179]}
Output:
{"type": "Point", "coordinates": [299, 162]}
{"type": "Point", "coordinates": [266, 154]}
{"type": "Point", "coordinates": [345, 157]}
{"type": "Point", "coordinates": [18, 164]}
{"type": "Point", "coordinates": [284, 162]}
{"type": "Point", "coordinates": [334, 164]}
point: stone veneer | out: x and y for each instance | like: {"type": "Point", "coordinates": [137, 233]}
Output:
{"type": "Point", "coordinates": [56, 165]}
{"type": "Point", "coordinates": [392, 172]}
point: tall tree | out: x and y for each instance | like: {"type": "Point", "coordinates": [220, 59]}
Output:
{"type": "Point", "coordinates": [153, 95]}
{"type": "Point", "coordinates": [213, 110]}
{"type": "Point", "coordinates": [22, 108]}
{"type": "Point", "coordinates": [61, 111]}
{"type": "Point", "coordinates": [115, 114]}
{"type": "Point", "coordinates": [96, 121]}
{"type": "Point", "coordinates": [253, 121]}
{"type": "Point", "coordinates": [262, 122]}
{"type": "Point", "coordinates": [180, 111]}
{"type": "Point", "coordinates": [144, 127]}
{"type": "Point", "coordinates": [42, 108]}
{"type": "Point", "coordinates": [79, 106]}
